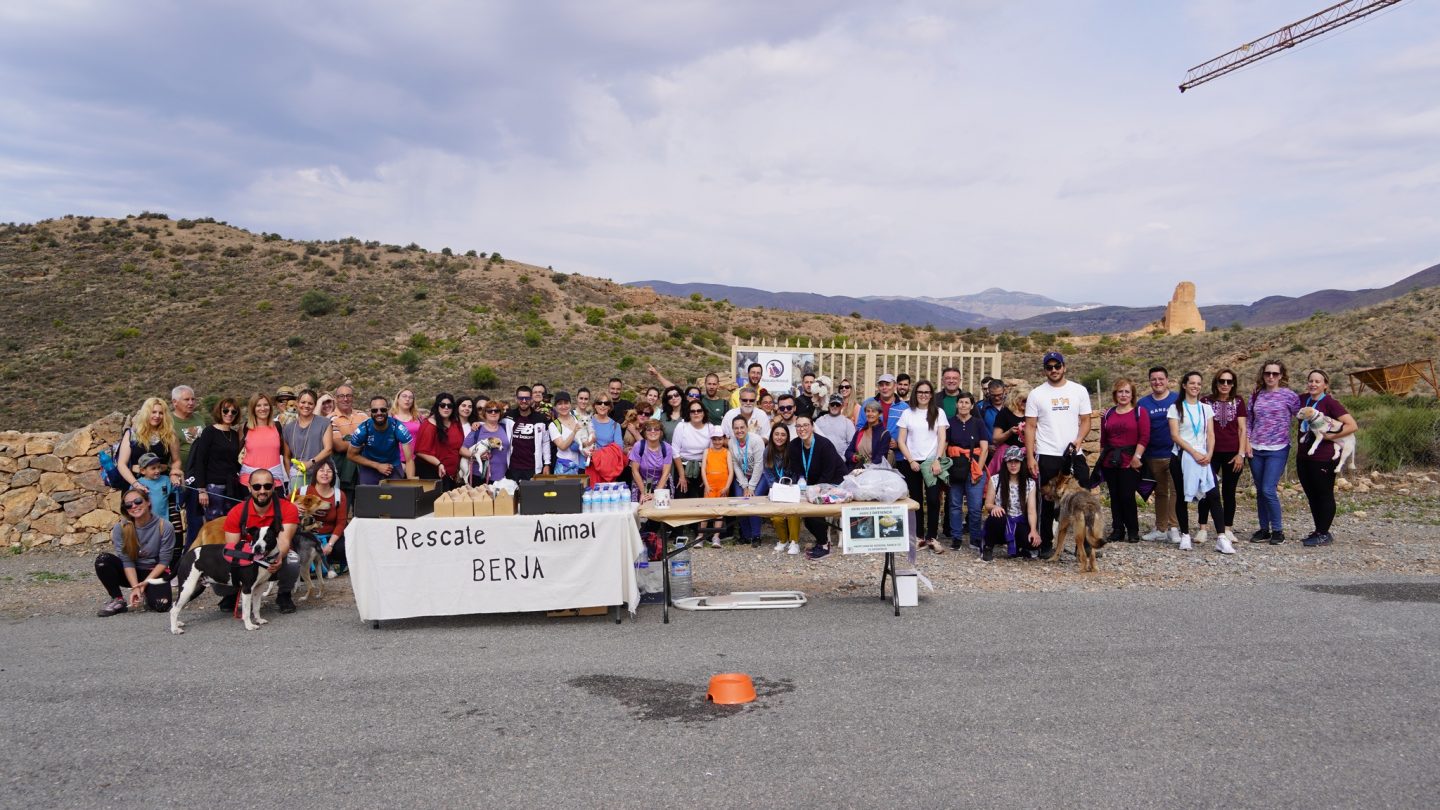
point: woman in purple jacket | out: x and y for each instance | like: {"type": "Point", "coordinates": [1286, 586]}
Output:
{"type": "Point", "coordinates": [1272, 407]}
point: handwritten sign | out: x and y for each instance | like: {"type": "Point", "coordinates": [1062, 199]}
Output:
{"type": "Point", "coordinates": [874, 529]}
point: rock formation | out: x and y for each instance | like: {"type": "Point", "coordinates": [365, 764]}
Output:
{"type": "Point", "coordinates": [1181, 313]}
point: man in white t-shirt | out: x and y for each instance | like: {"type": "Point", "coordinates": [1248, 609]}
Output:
{"type": "Point", "coordinates": [1057, 415]}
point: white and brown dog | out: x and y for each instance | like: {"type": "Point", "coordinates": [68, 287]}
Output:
{"type": "Point", "coordinates": [1320, 425]}
{"type": "Point", "coordinates": [210, 561]}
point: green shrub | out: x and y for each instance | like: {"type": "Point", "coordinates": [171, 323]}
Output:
{"type": "Point", "coordinates": [626, 362]}
{"type": "Point", "coordinates": [532, 337]}
{"type": "Point", "coordinates": [419, 340]}
{"type": "Point", "coordinates": [316, 303]}
{"type": "Point", "coordinates": [1390, 438]}
{"type": "Point", "coordinates": [420, 294]}
{"type": "Point", "coordinates": [594, 316]}
{"type": "Point", "coordinates": [483, 377]}
{"type": "Point", "coordinates": [410, 359]}
{"type": "Point", "coordinates": [294, 340]}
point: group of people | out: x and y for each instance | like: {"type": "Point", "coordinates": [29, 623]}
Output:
{"type": "Point", "coordinates": [974, 462]}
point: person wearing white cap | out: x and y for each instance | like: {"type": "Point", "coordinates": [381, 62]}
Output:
{"type": "Point", "coordinates": [717, 476]}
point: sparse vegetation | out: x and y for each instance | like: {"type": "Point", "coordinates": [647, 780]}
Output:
{"type": "Point", "coordinates": [316, 303]}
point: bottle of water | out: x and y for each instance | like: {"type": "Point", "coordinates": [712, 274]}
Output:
{"type": "Point", "coordinates": [802, 486]}
{"type": "Point", "coordinates": [681, 579]}
{"type": "Point", "coordinates": [587, 501]}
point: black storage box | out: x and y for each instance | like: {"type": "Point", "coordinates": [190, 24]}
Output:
{"type": "Point", "coordinates": [552, 496]}
{"type": "Point", "coordinates": [396, 498]}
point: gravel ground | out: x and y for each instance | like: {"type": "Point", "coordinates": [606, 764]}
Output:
{"type": "Point", "coordinates": [1391, 527]}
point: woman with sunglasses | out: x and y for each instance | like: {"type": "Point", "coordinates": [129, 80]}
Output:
{"type": "Point", "coordinates": [1271, 408]}
{"type": "Point", "coordinates": [923, 430]}
{"type": "Point", "coordinates": [634, 424]}
{"type": "Point", "coordinates": [690, 440]}
{"type": "Point", "coordinates": [488, 445]}
{"type": "Point", "coordinates": [437, 451]}
{"type": "Point", "coordinates": [215, 460]}
{"type": "Point", "coordinates": [672, 410]}
{"type": "Point", "coordinates": [143, 549]}
{"type": "Point", "coordinates": [262, 447]}
{"type": "Point", "coordinates": [1231, 444]}
{"type": "Point", "coordinates": [652, 460]}
{"type": "Point", "coordinates": [850, 407]}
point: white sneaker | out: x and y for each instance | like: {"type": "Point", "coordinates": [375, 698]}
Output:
{"type": "Point", "coordinates": [715, 542]}
{"type": "Point", "coordinates": [794, 548]}
{"type": "Point", "coordinates": [1230, 536]}
{"type": "Point", "coordinates": [1174, 534]}
{"type": "Point", "coordinates": [1153, 536]}
{"type": "Point", "coordinates": [1185, 542]}
{"type": "Point", "coordinates": [1202, 536]}
{"type": "Point", "coordinates": [1222, 544]}
{"type": "Point", "coordinates": [780, 546]}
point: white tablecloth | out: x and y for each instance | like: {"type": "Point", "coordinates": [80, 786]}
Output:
{"type": "Point", "coordinates": [447, 566]}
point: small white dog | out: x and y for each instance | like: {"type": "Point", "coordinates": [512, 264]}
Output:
{"type": "Point", "coordinates": [1320, 424]}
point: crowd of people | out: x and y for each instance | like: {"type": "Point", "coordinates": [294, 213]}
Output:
{"type": "Point", "coordinates": [974, 462]}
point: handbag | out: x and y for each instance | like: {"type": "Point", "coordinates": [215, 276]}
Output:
{"type": "Point", "coordinates": [784, 491]}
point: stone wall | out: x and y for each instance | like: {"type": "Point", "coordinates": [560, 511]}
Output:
{"type": "Point", "coordinates": [51, 494]}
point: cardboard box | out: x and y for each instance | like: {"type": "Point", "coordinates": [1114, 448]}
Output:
{"type": "Point", "coordinates": [445, 505]}
{"type": "Point", "coordinates": [481, 505]}
{"type": "Point", "coordinates": [551, 496]}
{"type": "Point", "coordinates": [504, 503]}
{"type": "Point", "coordinates": [397, 498]}
{"type": "Point", "coordinates": [586, 611]}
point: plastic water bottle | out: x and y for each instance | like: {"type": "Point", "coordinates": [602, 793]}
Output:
{"type": "Point", "coordinates": [802, 486]}
{"type": "Point", "coordinates": [587, 501]}
{"type": "Point", "coordinates": [681, 582]}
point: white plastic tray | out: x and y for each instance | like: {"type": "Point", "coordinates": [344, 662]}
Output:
{"type": "Point", "coordinates": [743, 600]}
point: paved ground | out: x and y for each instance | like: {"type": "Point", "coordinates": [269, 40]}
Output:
{"type": "Point", "coordinates": [1276, 695]}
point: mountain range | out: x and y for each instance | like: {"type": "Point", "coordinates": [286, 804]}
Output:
{"type": "Point", "coordinates": [1000, 310]}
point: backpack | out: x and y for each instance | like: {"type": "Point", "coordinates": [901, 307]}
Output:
{"type": "Point", "coordinates": [109, 466]}
{"type": "Point", "coordinates": [247, 550]}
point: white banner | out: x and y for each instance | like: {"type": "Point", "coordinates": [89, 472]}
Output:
{"type": "Point", "coordinates": [781, 370]}
{"type": "Point", "coordinates": [447, 566]}
{"type": "Point", "coordinates": [875, 528]}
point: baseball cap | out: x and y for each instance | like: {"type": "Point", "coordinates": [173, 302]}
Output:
{"type": "Point", "coordinates": [1053, 356]}
{"type": "Point", "coordinates": [836, 399]}
{"type": "Point", "coordinates": [147, 459]}
{"type": "Point", "coordinates": [1014, 453]}
{"type": "Point", "coordinates": [886, 377]}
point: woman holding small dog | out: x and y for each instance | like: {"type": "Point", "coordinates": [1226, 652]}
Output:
{"type": "Point", "coordinates": [144, 546]}
{"type": "Point", "coordinates": [330, 530]}
{"type": "Point", "coordinates": [1192, 429]}
{"type": "Point", "coordinates": [1317, 471]}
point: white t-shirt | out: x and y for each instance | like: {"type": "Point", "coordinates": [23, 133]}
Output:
{"type": "Point", "coordinates": [759, 424]}
{"type": "Point", "coordinates": [920, 439]}
{"type": "Point", "coordinates": [1057, 411]}
{"type": "Point", "coordinates": [1197, 417]}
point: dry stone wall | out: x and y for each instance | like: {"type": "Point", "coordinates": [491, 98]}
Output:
{"type": "Point", "coordinates": [51, 493]}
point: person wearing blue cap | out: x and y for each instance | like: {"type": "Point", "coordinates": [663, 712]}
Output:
{"type": "Point", "coordinates": [1057, 419]}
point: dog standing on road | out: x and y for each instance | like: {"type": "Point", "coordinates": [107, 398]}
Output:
{"type": "Point", "coordinates": [210, 561]}
{"type": "Point", "coordinates": [312, 509]}
{"type": "Point", "coordinates": [1320, 424]}
{"type": "Point", "coordinates": [1079, 516]}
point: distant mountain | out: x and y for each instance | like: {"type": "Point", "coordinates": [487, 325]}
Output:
{"type": "Point", "coordinates": [1005, 304]}
{"type": "Point", "coordinates": [888, 310]}
{"type": "Point", "coordinates": [1275, 309]}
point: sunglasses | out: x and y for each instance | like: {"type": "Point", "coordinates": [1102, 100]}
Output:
{"type": "Point", "coordinates": [787, 407]}
{"type": "Point", "coordinates": [1053, 366]}
{"type": "Point", "coordinates": [1272, 374]}
{"type": "Point", "coordinates": [602, 402]}
{"type": "Point", "coordinates": [379, 410]}
{"type": "Point", "coordinates": [694, 411]}
{"type": "Point", "coordinates": [673, 395]}
{"type": "Point", "coordinates": [229, 411]}
{"type": "Point", "coordinates": [844, 388]}
{"type": "Point", "coordinates": [1225, 381]}
{"type": "Point", "coordinates": [133, 504]}
{"type": "Point", "coordinates": [447, 405]}
{"type": "Point", "coordinates": [750, 401]}
{"type": "Point", "coordinates": [522, 399]}
{"type": "Point", "coordinates": [492, 410]}
{"type": "Point", "coordinates": [261, 487]}
{"type": "Point", "coordinates": [693, 396]}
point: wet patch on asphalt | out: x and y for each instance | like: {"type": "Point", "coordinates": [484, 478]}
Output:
{"type": "Point", "coordinates": [1384, 591]}
{"type": "Point", "coordinates": [653, 699]}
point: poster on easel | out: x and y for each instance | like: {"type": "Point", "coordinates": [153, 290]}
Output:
{"type": "Point", "coordinates": [874, 529]}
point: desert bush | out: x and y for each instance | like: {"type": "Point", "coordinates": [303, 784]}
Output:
{"type": "Point", "coordinates": [1399, 435]}
{"type": "Point", "coordinates": [483, 377]}
{"type": "Point", "coordinates": [410, 359]}
{"type": "Point", "coordinates": [316, 303]}
{"type": "Point", "coordinates": [532, 337]}
{"type": "Point", "coordinates": [419, 340]}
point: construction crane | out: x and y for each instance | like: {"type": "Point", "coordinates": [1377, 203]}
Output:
{"type": "Point", "coordinates": [1287, 37]}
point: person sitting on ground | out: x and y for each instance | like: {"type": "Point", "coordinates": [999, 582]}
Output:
{"type": "Point", "coordinates": [265, 508]}
{"type": "Point", "coordinates": [814, 460]}
{"type": "Point", "coordinates": [375, 445]}
{"type": "Point", "coordinates": [834, 426]}
{"type": "Point", "coordinates": [214, 467]}
{"type": "Point", "coordinates": [330, 529]}
{"type": "Point", "coordinates": [1010, 509]}
{"type": "Point", "coordinates": [152, 430]}
{"type": "Point", "coordinates": [143, 548]}
{"type": "Point", "coordinates": [488, 446]}
{"type": "Point", "coordinates": [870, 446]}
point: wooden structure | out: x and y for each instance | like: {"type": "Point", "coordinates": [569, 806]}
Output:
{"type": "Point", "coordinates": [1398, 379]}
{"type": "Point", "coordinates": [862, 365]}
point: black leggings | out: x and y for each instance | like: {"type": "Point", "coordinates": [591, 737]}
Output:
{"type": "Point", "coordinates": [1318, 481]}
{"type": "Point", "coordinates": [111, 572]}
{"type": "Point", "coordinates": [1124, 514]}
{"type": "Point", "coordinates": [927, 520]}
{"type": "Point", "coordinates": [1228, 477]}
{"type": "Point", "coordinates": [818, 529]}
{"type": "Point", "coordinates": [1177, 484]}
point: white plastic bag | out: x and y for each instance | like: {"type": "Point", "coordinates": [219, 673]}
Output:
{"type": "Point", "coordinates": [884, 486]}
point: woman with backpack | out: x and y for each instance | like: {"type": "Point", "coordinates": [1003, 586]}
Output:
{"type": "Point", "coordinates": [1124, 433]}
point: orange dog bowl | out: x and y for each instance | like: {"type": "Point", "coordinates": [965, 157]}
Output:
{"type": "Point", "coordinates": [730, 688]}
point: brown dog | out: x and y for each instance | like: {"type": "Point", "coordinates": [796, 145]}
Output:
{"type": "Point", "coordinates": [312, 509]}
{"type": "Point", "coordinates": [1079, 516]}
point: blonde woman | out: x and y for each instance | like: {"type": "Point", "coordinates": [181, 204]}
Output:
{"type": "Point", "coordinates": [405, 412]}
{"type": "Point", "coordinates": [262, 447]}
{"type": "Point", "coordinates": [850, 407]}
{"type": "Point", "coordinates": [151, 431]}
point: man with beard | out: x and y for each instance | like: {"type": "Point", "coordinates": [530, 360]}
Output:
{"type": "Point", "coordinates": [1057, 415]}
{"type": "Point", "coordinates": [375, 445]}
{"type": "Point", "coordinates": [758, 422]}
{"type": "Point", "coordinates": [753, 374]}
{"type": "Point", "coordinates": [261, 510]}
{"type": "Point", "coordinates": [529, 439]}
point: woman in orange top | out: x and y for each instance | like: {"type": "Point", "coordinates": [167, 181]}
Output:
{"type": "Point", "coordinates": [718, 475]}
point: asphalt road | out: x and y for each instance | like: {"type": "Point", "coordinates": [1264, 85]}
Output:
{"type": "Point", "coordinates": [1277, 695]}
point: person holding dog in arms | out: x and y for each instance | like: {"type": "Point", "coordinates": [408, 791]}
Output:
{"type": "Point", "coordinates": [1057, 419]}
{"type": "Point", "coordinates": [263, 509]}
{"type": "Point", "coordinates": [142, 542]}
{"type": "Point", "coordinates": [1317, 471]}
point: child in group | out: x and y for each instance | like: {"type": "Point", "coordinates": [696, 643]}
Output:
{"type": "Point", "coordinates": [154, 476]}
{"type": "Point", "coordinates": [718, 477]}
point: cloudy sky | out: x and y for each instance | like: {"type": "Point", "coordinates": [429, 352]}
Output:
{"type": "Point", "coordinates": [844, 147]}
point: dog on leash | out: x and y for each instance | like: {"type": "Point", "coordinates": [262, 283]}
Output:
{"type": "Point", "coordinates": [1320, 424]}
{"type": "Point", "coordinates": [1079, 517]}
{"type": "Point", "coordinates": [210, 561]}
{"type": "Point", "coordinates": [312, 510]}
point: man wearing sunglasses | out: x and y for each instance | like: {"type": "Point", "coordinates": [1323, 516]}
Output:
{"type": "Point", "coordinates": [375, 445]}
{"type": "Point", "coordinates": [529, 438]}
{"type": "Point", "coordinates": [757, 422]}
{"type": "Point", "coordinates": [786, 412]}
{"type": "Point", "coordinates": [1057, 416]}
{"type": "Point", "coordinates": [260, 510]}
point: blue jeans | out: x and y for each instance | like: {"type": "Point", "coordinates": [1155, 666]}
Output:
{"type": "Point", "coordinates": [1267, 466]}
{"type": "Point", "coordinates": [975, 494]}
{"type": "Point", "coordinates": [750, 527]}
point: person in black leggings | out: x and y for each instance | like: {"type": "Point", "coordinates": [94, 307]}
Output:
{"type": "Point", "coordinates": [144, 549]}
{"type": "Point", "coordinates": [1317, 471]}
{"type": "Point", "coordinates": [1232, 444]}
{"type": "Point", "coordinates": [1124, 432]}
